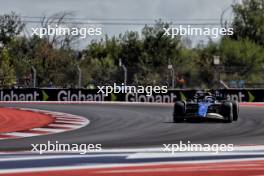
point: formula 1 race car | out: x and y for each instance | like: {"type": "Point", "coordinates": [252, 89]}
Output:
{"type": "Point", "coordinates": [204, 105]}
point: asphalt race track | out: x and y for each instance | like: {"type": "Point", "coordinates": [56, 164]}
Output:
{"type": "Point", "coordinates": [138, 125]}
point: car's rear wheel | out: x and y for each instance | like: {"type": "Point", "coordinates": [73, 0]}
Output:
{"type": "Point", "coordinates": [235, 110]}
{"type": "Point", "coordinates": [179, 111]}
{"type": "Point", "coordinates": [227, 111]}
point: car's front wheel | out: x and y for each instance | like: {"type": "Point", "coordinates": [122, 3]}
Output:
{"type": "Point", "coordinates": [179, 111]}
{"type": "Point", "coordinates": [227, 111]}
{"type": "Point", "coordinates": [235, 110]}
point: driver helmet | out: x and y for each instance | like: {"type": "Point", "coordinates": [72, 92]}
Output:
{"type": "Point", "coordinates": [202, 94]}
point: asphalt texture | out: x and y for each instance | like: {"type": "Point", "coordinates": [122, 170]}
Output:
{"type": "Point", "coordinates": [138, 125]}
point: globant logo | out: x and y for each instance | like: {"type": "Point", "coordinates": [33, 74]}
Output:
{"type": "Point", "coordinates": [19, 96]}
{"type": "Point", "coordinates": [135, 97]}
{"type": "Point", "coordinates": [70, 96]}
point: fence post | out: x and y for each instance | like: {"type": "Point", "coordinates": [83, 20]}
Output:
{"type": "Point", "coordinates": [79, 76]}
{"type": "Point", "coordinates": [34, 76]}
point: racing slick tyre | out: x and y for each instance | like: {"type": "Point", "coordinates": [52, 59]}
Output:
{"type": "Point", "coordinates": [179, 111]}
{"type": "Point", "coordinates": [227, 111]}
{"type": "Point", "coordinates": [235, 110]}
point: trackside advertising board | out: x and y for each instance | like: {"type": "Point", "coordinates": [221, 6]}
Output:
{"type": "Point", "coordinates": [242, 95]}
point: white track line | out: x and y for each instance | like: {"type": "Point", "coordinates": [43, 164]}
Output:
{"type": "Point", "coordinates": [68, 122]}
{"type": "Point", "coordinates": [62, 125]}
{"type": "Point", "coordinates": [21, 134]}
{"type": "Point", "coordinates": [50, 130]}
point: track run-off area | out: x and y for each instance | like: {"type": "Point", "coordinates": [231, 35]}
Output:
{"type": "Point", "coordinates": [132, 130]}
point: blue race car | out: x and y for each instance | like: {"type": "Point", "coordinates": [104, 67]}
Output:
{"type": "Point", "coordinates": [204, 105]}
